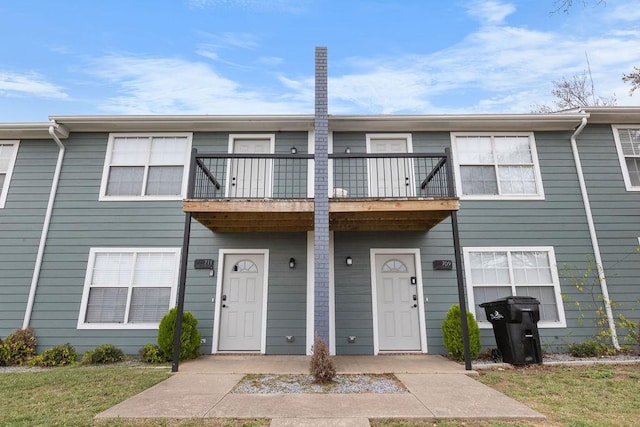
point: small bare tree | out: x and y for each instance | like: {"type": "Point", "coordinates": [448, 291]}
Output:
{"type": "Point", "coordinates": [633, 78]}
{"type": "Point", "coordinates": [575, 92]}
{"type": "Point", "coordinates": [565, 5]}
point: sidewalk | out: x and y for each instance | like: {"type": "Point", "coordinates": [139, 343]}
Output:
{"type": "Point", "coordinates": [438, 388]}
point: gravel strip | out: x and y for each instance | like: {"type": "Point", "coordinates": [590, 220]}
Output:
{"type": "Point", "coordinates": [297, 384]}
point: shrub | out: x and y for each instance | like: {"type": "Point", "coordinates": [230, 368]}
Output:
{"type": "Point", "coordinates": [60, 355]}
{"type": "Point", "coordinates": [322, 367]}
{"type": "Point", "coordinates": [189, 338]}
{"type": "Point", "coordinates": [151, 353]}
{"type": "Point", "coordinates": [103, 354]}
{"type": "Point", "coordinates": [452, 334]}
{"type": "Point", "coordinates": [4, 354]}
{"type": "Point", "coordinates": [589, 348]}
{"type": "Point", "coordinates": [20, 346]}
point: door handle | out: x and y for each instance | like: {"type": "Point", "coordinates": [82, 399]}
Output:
{"type": "Point", "coordinates": [224, 297]}
{"type": "Point", "coordinates": [406, 181]}
{"type": "Point", "coordinates": [414, 305]}
{"type": "Point", "coordinates": [224, 305]}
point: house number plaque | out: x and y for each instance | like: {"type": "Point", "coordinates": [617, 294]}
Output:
{"type": "Point", "coordinates": [443, 264]}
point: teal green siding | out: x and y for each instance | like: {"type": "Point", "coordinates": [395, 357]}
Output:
{"type": "Point", "coordinates": [616, 214]}
{"type": "Point", "coordinates": [21, 223]}
{"type": "Point", "coordinates": [81, 222]}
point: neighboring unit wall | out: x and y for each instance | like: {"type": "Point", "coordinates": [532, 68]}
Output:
{"type": "Point", "coordinates": [558, 221]}
{"type": "Point", "coordinates": [353, 304]}
{"type": "Point", "coordinates": [286, 300]}
{"type": "Point", "coordinates": [81, 222]}
{"type": "Point", "coordinates": [616, 214]}
{"type": "Point", "coordinates": [21, 222]}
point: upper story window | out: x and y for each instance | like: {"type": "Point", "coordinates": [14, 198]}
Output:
{"type": "Point", "coordinates": [150, 167]}
{"type": "Point", "coordinates": [493, 273]}
{"type": "Point", "coordinates": [628, 145]}
{"type": "Point", "coordinates": [128, 287]}
{"type": "Point", "coordinates": [8, 154]}
{"type": "Point", "coordinates": [497, 166]}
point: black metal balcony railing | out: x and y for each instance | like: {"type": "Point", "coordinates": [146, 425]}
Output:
{"type": "Point", "coordinates": [411, 175]}
{"type": "Point", "coordinates": [286, 176]}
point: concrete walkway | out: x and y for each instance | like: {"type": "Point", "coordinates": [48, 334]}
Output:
{"type": "Point", "coordinates": [438, 389]}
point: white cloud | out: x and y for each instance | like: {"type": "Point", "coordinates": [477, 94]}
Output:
{"type": "Point", "coordinates": [628, 12]}
{"type": "Point", "coordinates": [31, 84]}
{"type": "Point", "coordinates": [489, 12]}
{"type": "Point", "coordinates": [176, 86]}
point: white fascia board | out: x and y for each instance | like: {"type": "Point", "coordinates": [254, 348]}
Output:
{"type": "Point", "coordinates": [272, 123]}
{"type": "Point", "coordinates": [470, 122]}
{"type": "Point", "coordinates": [28, 131]}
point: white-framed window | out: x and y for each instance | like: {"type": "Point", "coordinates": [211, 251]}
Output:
{"type": "Point", "coordinates": [627, 140]}
{"type": "Point", "coordinates": [8, 154]}
{"type": "Point", "coordinates": [146, 166]}
{"type": "Point", "coordinates": [496, 166]}
{"type": "Point", "coordinates": [498, 272]}
{"type": "Point", "coordinates": [128, 288]}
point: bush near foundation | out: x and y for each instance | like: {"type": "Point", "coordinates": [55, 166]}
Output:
{"type": "Point", "coordinates": [18, 347]}
{"type": "Point", "coordinates": [452, 334]}
{"type": "Point", "coordinates": [151, 353]}
{"type": "Point", "coordinates": [60, 355]}
{"type": "Point", "coordinates": [189, 338]}
{"type": "Point", "coordinates": [103, 354]}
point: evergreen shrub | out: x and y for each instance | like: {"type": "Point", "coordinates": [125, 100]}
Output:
{"type": "Point", "coordinates": [189, 338]}
{"type": "Point", "coordinates": [452, 334]}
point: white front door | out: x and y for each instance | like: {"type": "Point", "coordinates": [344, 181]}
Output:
{"type": "Point", "coordinates": [241, 303]}
{"type": "Point", "coordinates": [397, 300]}
{"type": "Point", "coordinates": [250, 177]}
{"type": "Point", "coordinates": [390, 177]}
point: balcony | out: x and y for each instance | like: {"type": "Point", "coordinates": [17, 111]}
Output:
{"type": "Point", "coordinates": [367, 192]}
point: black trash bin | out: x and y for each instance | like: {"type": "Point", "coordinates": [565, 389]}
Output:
{"type": "Point", "coordinates": [515, 326]}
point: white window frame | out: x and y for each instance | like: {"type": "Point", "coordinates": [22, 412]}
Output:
{"type": "Point", "coordinates": [621, 156]}
{"type": "Point", "coordinates": [89, 276]}
{"type": "Point", "coordinates": [561, 323]}
{"type": "Point", "coordinates": [107, 166]}
{"type": "Point", "coordinates": [534, 157]}
{"type": "Point", "coordinates": [4, 191]}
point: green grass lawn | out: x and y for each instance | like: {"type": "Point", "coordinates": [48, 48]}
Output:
{"type": "Point", "coordinates": [598, 395]}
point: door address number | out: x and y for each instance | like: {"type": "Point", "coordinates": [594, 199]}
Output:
{"type": "Point", "coordinates": [443, 264]}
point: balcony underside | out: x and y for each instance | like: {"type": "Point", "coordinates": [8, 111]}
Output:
{"type": "Point", "coordinates": [297, 215]}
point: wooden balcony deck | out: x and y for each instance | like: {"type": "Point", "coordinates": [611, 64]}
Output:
{"type": "Point", "coordinates": [296, 215]}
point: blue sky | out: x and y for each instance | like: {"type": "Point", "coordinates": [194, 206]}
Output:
{"type": "Point", "coordinates": [256, 56]}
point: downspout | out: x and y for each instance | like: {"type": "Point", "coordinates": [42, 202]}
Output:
{"type": "Point", "coordinates": [594, 237]}
{"type": "Point", "coordinates": [53, 128]}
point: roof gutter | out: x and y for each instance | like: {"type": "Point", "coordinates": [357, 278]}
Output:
{"type": "Point", "coordinates": [55, 131]}
{"type": "Point", "coordinates": [594, 237]}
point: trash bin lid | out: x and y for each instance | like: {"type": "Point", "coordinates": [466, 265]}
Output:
{"type": "Point", "coordinates": [511, 300]}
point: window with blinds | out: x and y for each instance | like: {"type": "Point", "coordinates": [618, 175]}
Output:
{"type": "Point", "coordinates": [8, 154]}
{"type": "Point", "coordinates": [145, 166]}
{"type": "Point", "coordinates": [628, 145]}
{"type": "Point", "coordinates": [502, 166]}
{"type": "Point", "coordinates": [131, 288]}
{"type": "Point", "coordinates": [493, 273]}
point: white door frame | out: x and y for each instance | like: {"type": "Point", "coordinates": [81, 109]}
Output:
{"type": "Point", "coordinates": [374, 294]}
{"type": "Point", "coordinates": [233, 138]}
{"type": "Point", "coordinates": [216, 319]}
{"type": "Point", "coordinates": [408, 138]}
